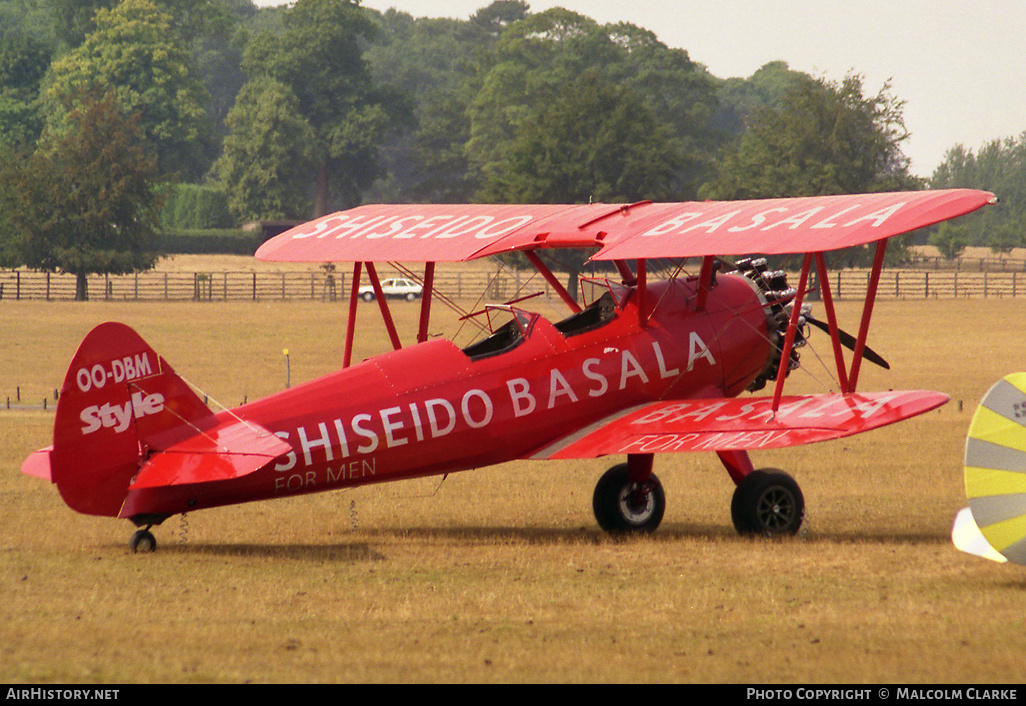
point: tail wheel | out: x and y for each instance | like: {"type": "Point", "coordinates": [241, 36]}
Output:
{"type": "Point", "coordinates": [143, 542]}
{"type": "Point", "coordinates": [622, 505]}
{"type": "Point", "coordinates": [767, 502]}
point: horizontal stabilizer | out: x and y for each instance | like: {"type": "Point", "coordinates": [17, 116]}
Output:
{"type": "Point", "coordinates": [229, 450]}
{"type": "Point", "coordinates": [38, 464]}
{"type": "Point", "coordinates": [741, 423]}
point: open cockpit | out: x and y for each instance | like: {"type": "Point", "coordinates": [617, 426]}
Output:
{"type": "Point", "coordinates": [520, 324]}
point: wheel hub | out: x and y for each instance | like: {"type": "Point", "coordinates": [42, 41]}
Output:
{"type": "Point", "coordinates": [776, 509]}
{"type": "Point", "coordinates": [636, 502]}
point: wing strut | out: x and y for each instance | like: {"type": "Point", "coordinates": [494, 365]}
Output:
{"type": "Point", "coordinates": [847, 379]}
{"type": "Point", "coordinates": [386, 313]}
{"type": "Point", "coordinates": [828, 306]}
{"type": "Point", "coordinates": [705, 281]}
{"type": "Point", "coordinates": [425, 301]}
{"type": "Point", "coordinates": [628, 277]}
{"type": "Point", "coordinates": [642, 289]}
{"type": "Point", "coordinates": [792, 329]}
{"type": "Point", "coordinates": [551, 279]}
{"type": "Point", "coordinates": [354, 293]}
{"type": "Point", "coordinates": [867, 312]}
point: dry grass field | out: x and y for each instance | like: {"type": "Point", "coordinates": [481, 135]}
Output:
{"type": "Point", "coordinates": [501, 574]}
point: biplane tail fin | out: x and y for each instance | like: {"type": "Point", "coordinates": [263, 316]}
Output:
{"type": "Point", "coordinates": [119, 402]}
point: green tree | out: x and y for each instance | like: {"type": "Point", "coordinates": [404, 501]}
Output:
{"type": "Point", "coordinates": [826, 138]}
{"type": "Point", "coordinates": [739, 99]}
{"type": "Point", "coordinates": [951, 239]}
{"type": "Point", "coordinates": [532, 60]}
{"type": "Point", "coordinates": [85, 200]}
{"type": "Point", "coordinates": [74, 20]}
{"type": "Point", "coordinates": [319, 56]}
{"type": "Point", "coordinates": [217, 55]}
{"type": "Point", "coordinates": [1005, 237]}
{"type": "Point", "coordinates": [680, 94]}
{"type": "Point", "coordinates": [23, 63]}
{"type": "Point", "coordinates": [28, 17]}
{"type": "Point", "coordinates": [134, 54]}
{"type": "Point", "coordinates": [435, 63]}
{"type": "Point", "coordinates": [537, 57]}
{"type": "Point", "coordinates": [998, 166]}
{"type": "Point", "coordinates": [268, 153]}
{"type": "Point", "coordinates": [493, 19]}
{"type": "Point", "coordinates": [475, 82]}
{"type": "Point", "coordinates": [596, 140]}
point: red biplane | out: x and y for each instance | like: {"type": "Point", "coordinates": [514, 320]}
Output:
{"type": "Point", "coordinates": [648, 366]}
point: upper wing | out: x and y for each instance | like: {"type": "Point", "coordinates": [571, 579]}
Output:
{"type": "Point", "coordinates": [451, 233]}
{"type": "Point", "coordinates": [409, 232]}
{"type": "Point", "coordinates": [741, 423]}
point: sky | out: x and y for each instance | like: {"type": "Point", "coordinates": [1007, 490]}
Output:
{"type": "Point", "coordinates": [957, 64]}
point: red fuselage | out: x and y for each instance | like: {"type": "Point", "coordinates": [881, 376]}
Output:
{"type": "Point", "coordinates": [434, 408]}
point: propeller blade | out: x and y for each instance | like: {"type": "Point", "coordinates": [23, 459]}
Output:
{"type": "Point", "coordinates": [849, 341]}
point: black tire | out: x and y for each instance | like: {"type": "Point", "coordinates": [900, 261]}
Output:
{"type": "Point", "coordinates": [367, 296]}
{"type": "Point", "coordinates": [767, 502]}
{"type": "Point", "coordinates": [143, 542]}
{"type": "Point", "coordinates": [623, 506]}
{"type": "Point", "coordinates": [410, 296]}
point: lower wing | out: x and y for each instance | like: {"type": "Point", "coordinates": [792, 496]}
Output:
{"type": "Point", "coordinates": [737, 424]}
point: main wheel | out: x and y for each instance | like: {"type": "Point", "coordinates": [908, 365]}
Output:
{"type": "Point", "coordinates": [143, 541]}
{"type": "Point", "coordinates": [367, 296]}
{"type": "Point", "coordinates": [767, 502]}
{"type": "Point", "coordinates": [622, 505]}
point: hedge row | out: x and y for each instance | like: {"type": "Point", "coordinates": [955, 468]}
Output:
{"type": "Point", "coordinates": [208, 242]}
{"type": "Point", "coordinates": [195, 207]}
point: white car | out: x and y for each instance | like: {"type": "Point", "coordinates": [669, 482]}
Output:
{"type": "Point", "coordinates": [396, 288]}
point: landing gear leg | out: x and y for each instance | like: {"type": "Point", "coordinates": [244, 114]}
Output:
{"type": "Point", "coordinates": [629, 497]}
{"type": "Point", "coordinates": [737, 463]}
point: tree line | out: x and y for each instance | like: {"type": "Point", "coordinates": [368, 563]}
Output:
{"type": "Point", "coordinates": [108, 106]}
